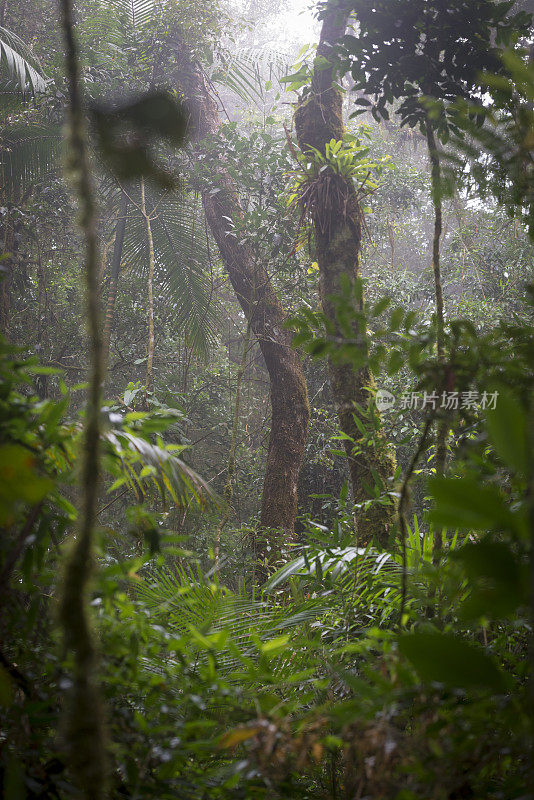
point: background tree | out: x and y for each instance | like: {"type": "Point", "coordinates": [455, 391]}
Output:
{"type": "Point", "coordinates": [416, 53]}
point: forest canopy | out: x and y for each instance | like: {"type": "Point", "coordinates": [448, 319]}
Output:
{"type": "Point", "coordinates": [266, 399]}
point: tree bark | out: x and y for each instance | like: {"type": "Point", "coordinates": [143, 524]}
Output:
{"type": "Point", "coordinates": [337, 233]}
{"type": "Point", "coordinates": [263, 311]}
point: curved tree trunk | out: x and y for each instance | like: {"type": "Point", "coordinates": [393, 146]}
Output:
{"type": "Point", "coordinates": [263, 310]}
{"type": "Point", "coordinates": [337, 229]}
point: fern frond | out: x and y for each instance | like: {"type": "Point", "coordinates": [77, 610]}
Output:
{"type": "Point", "coordinates": [247, 72]}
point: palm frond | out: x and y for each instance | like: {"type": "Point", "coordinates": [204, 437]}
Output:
{"type": "Point", "coordinates": [19, 67]}
{"type": "Point", "coordinates": [138, 463]}
{"type": "Point", "coordinates": [352, 564]}
{"type": "Point", "coordinates": [135, 12]}
{"type": "Point", "coordinates": [28, 153]}
{"type": "Point", "coordinates": [247, 73]}
{"type": "Point", "coordinates": [183, 599]}
{"type": "Point", "coordinates": [182, 262]}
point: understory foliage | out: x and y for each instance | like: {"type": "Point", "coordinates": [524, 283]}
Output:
{"type": "Point", "coordinates": [391, 671]}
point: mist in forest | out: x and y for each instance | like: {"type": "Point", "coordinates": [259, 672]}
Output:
{"type": "Point", "coordinates": [266, 400]}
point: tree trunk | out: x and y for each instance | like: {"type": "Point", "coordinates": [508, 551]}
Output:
{"type": "Point", "coordinates": [115, 270]}
{"type": "Point", "coordinates": [337, 230]}
{"type": "Point", "coordinates": [150, 288]}
{"type": "Point", "coordinates": [263, 310]}
{"type": "Point", "coordinates": [442, 428]}
{"type": "Point", "coordinates": [6, 275]}
{"type": "Point", "coordinates": [436, 200]}
{"type": "Point", "coordinates": [84, 729]}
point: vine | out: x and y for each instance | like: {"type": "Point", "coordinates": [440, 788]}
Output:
{"type": "Point", "coordinates": [84, 727]}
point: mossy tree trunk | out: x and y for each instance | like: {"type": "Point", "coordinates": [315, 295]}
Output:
{"type": "Point", "coordinates": [337, 234]}
{"type": "Point", "coordinates": [265, 315]}
{"type": "Point", "coordinates": [435, 172]}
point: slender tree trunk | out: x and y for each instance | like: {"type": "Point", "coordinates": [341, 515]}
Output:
{"type": "Point", "coordinates": [468, 241]}
{"type": "Point", "coordinates": [436, 200]}
{"type": "Point", "coordinates": [115, 271]}
{"type": "Point", "coordinates": [263, 311]}
{"type": "Point", "coordinates": [6, 276]}
{"type": "Point", "coordinates": [150, 287]}
{"type": "Point", "coordinates": [337, 230]}
{"type": "Point", "coordinates": [391, 237]}
{"type": "Point", "coordinates": [442, 428]}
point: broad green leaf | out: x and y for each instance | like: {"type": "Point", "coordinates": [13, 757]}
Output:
{"type": "Point", "coordinates": [507, 428]}
{"type": "Point", "coordinates": [499, 579]}
{"type": "Point", "coordinates": [465, 503]}
{"type": "Point", "coordinates": [447, 659]}
{"type": "Point", "coordinates": [274, 646]}
{"type": "Point", "coordinates": [20, 481]}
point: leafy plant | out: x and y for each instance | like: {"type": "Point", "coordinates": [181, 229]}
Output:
{"type": "Point", "coordinates": [342, 160]}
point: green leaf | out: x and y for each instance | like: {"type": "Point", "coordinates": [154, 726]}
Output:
{"type": "Point", "coordinates": [507, 428]}
{"type": "Point", "coordinates": [447, 659]}
{"type": "Point", "coordinates": [380, 306]}
{"type": "Point", "coordinates": [465, 503]}
{"type": "Point", "coordinates": [499, 579]}
{"type": "Point", "coordinates": [274, 646]}
{"type": "Point", "coordinates": [19, 481]}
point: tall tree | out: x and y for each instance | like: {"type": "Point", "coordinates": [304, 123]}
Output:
{"type": "Point", "coordinates": [262, 308]}
{"type": "Point", "coordinates": [336, 216]}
